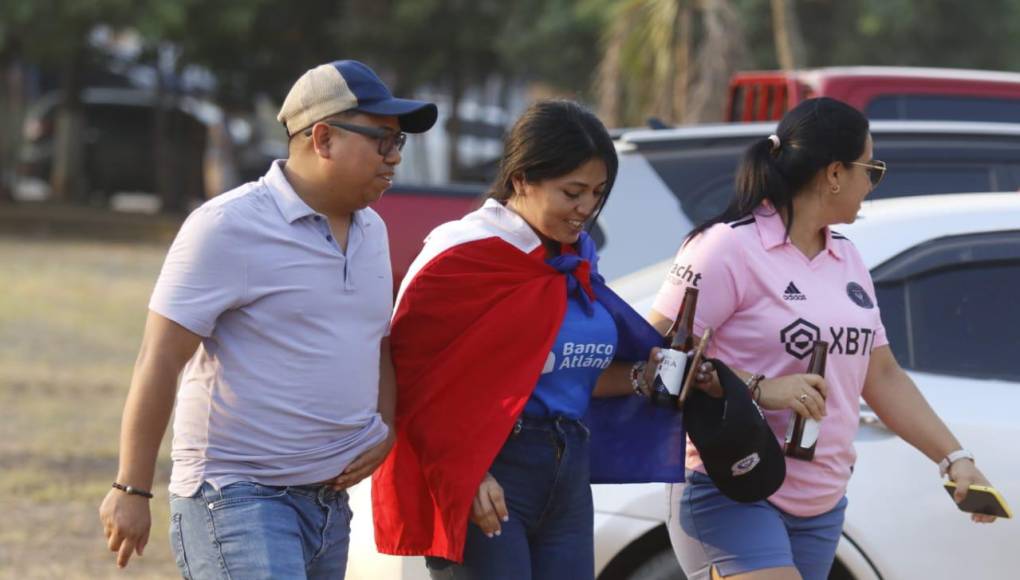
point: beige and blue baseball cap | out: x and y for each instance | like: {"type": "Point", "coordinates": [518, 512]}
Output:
{"type": "Point", "coordinates": [348, 85]}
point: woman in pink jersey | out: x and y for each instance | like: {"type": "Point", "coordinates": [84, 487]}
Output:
{"type": "Point", "coordinates": [774, 278]}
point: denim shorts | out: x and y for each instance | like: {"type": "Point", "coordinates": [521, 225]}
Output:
{"type": "Point", "coordinates": [709, 529]}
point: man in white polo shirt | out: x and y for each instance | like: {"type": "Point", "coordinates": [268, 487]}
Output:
{"type": "Point", "coordinates": [275, 301]}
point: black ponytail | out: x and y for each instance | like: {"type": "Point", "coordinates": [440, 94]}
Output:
{"type": "Point", "coordinates": [812, 135]}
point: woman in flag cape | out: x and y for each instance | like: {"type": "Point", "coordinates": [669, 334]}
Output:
{"type": "Point", "coordinates": [502, 334]}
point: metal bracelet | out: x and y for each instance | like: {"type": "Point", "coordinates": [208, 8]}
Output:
{"type": "Point", "coordinates": [754, 385]}
{"type": "Point", "coordinates": [637, 378]}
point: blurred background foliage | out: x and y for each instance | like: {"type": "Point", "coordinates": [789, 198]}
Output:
{"type": "Point", "coordinates": [629, 59]}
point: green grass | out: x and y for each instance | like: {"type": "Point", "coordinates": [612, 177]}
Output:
{"type": "Point", "coordinates": [71, 318]}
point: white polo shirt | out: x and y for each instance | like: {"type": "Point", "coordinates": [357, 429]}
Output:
{"type": "Point", "coordinates": [767, 303]}
{"type": "Point", "coordinates": [284, 387]}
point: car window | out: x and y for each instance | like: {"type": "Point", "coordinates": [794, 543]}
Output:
{"type": "Point", "coordinates": [950, 307]}
{"type": "Point", "coordinates": [933, 178]}
{"type": "Point", "coordinates": [944, 107]}
{"type": "Point", "coordinates": [701, 182]}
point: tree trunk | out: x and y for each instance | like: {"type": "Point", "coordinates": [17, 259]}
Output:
{"type": "Point", "coordinates": [67, 176]}
{"type": "Point", "coordinates": [608, 81]}
{"type": "Point", "coordinates": [682, 76]}
{"type": "Point", "coordinates": [721, 49]}
{"type": "Point", "coordinates": [453, 124]}
{"type": "Point", "coordinates": [172, 170]}
{"type": "Point", "coordinates": [786, 31]}
{"type": "Point", "coordinates": [12, 101]}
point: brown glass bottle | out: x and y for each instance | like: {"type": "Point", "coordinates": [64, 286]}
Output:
{"type": "Point", "coordinates": [669, 375]}
{"type": "Point", "coordinates": [802, 434]}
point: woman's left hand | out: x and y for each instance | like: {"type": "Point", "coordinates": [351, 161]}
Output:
{"type": "Point", "coordinates": [706, 378]}
{"type": "Point", "coordinates": [648, 378]}
{"type": "Point", "coordinates": [964, 473]}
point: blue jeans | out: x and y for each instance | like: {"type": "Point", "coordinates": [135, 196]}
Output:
{"type": "Point", "coordinates": [709, 529]}
{"type": "Point", "coordinates": [544, 470]}
{"type": "Point", "coordinates": [247, 531]}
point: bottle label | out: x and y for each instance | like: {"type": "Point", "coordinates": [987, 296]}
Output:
{"type": "Point", "coordinates": [810, 435]}
{"type": "Point", "coordinates": [669, 374]}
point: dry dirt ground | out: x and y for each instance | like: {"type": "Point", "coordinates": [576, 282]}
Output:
{"type": "Point", "coordinates": [71, 316]}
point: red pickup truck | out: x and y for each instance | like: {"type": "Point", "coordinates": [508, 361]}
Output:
{"type": "Point", "coordinates": [411, 212]}
{"type": "Point", "coordinates": [880, 92]}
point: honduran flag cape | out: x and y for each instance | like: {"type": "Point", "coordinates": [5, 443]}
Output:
{"type": "Point", "coordinates": [476, 317]}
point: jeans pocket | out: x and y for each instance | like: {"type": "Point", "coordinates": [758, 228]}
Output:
{"type": "Point", "coordinates": [344, 501]}
{"type": "Point", "coordinates": [585, 430]}
{"type": "Point", "coordinates": [177, 544]}
{"type": "Point", "coordinates": [242, 492]}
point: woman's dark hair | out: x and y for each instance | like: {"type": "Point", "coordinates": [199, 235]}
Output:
{"type": "Point", "coordinates": [812, 135]}
{"type": "Point", "coordinates": [551, 139]}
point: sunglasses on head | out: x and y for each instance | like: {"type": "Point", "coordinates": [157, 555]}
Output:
{"type": "Point", "coordinates": [875, 169]}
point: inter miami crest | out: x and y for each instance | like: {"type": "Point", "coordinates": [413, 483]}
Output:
{"type": "Point", "coordinates": [859, 296]}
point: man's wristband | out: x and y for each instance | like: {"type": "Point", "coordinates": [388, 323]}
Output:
{"type": "Point", "coordinates": [132, 490]}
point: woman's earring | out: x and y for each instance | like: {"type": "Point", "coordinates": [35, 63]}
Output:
{"type": "Point", "coordinates": [835, 189]}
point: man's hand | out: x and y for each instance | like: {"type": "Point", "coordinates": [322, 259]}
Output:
{"type": "Point", "coordinates": [364, 465]}
{"type": "Point", "coordinates": [126, 522]}
{"type": "Point", "coordinates": [166, 347]}
{"type": "Point", "coordinates": [489, 506]}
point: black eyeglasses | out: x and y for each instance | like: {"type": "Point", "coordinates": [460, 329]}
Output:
{"type": "Point", "coordinates": [387, 138]}
{"type": "Point", "coordinates": [876, 170]}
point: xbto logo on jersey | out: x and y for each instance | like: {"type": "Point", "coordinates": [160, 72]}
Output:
{"type": "Point", "coordinates": [799, 335]}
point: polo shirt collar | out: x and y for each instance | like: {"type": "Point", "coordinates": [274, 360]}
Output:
{"type": "Point", "coordinates": [772, 231]}
{"type": "Point", "coordinates": [288, 201]}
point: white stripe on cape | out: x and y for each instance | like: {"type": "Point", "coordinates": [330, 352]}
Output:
{"type": "Point", "coordinates": [492, 220]}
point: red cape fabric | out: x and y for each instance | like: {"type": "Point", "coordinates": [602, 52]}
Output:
{"type": "Point", "coordinates": [469, 339]}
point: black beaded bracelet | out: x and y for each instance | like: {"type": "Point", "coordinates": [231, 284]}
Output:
{"type": "Point", "coordinates": [132, 490]}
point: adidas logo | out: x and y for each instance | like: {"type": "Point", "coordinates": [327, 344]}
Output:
{"type": "Point", "coordinates": [792, 293]}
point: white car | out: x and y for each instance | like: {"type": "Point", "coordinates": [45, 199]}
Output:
{"type": "Point", "coordinates": [947, 270]}
{"type": "Point", "coordinates": [947, 274]}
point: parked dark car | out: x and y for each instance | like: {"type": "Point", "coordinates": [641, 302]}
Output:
{"type": "Point", "coordinates": [119, 149]}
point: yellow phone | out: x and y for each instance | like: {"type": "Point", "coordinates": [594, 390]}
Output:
{"type": "Point", "coordinates": [981, 499]}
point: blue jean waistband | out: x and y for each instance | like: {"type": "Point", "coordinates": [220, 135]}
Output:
{"type": "Point", "coordinates": [556, 423]}
{"type": "Point", "coordinates": [323, 491]}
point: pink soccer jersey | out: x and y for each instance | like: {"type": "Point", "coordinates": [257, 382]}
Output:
{"type": "Point", "coordinates": [767, 303]}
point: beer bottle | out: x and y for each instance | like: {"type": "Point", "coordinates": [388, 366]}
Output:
{"type": "Point", "coordinates": [669, 374]}
{"type": "Point", "coordinates": [802, 434]}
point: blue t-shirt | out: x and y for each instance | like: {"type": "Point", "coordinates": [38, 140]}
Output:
{"type": "Point", "coordinates": [583, 349]}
